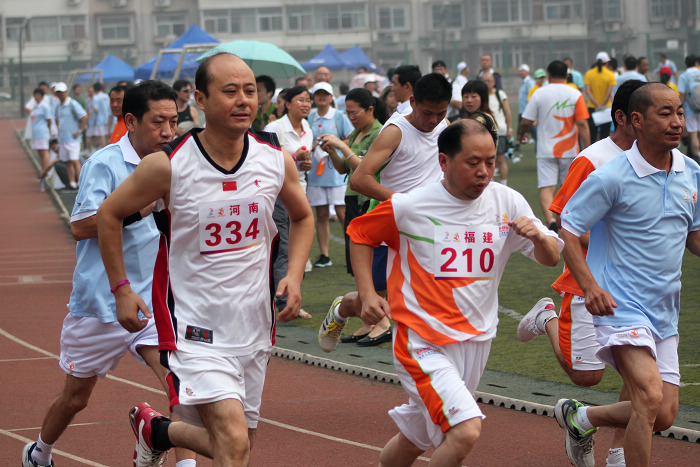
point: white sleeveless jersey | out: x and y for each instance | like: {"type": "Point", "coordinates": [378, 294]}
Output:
{"type": "Point", "coordinates": [211, 286]}
{"type": "Point", "coordinates": [414, 163]}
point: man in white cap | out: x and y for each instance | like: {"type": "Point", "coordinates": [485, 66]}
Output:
{"type": "Point", "coordinates": [370, 84]}
{"type": "Point", "coordinates": [525, 85]}
{"type": "Point", "coordinates": [71, 119]}
{"type": "Point", "coordinates": [457, 85]}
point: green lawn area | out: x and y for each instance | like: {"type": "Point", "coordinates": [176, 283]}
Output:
{"type": "Point", "coordinates": [524, 282]}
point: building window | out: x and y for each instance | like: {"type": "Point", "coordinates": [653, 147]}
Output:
{"type": "Point", "coordinates": [300, 18]}
{"type": "Point", "coordinates": [269, 19]}
{"type": "Point", "coordinates": [505, 11]}
{"type": "Point", "coordinates": [393, 17]}
{"type": "Point", "coordinates": [216, 21]}
{"type": "Point", "coordinates": [664, 8]}
{"type": "Point", "coordinates": [115, 30]}
{"type": "Point", "coordinates": [447, 15]}
{"type": "Point", "coordinates": [607, 9]}
{"type": "Point", "coordinates": [340, 16]}
{"type": "Point", "coordinates": [56, 28]}
{"type": "Point", "coordinates": [170, 24]}
{"type": "Point", "coordinates": [243, 21]}
{"type": "Point", "coordinates": [12, 28]}
{"type": "Point", "coordinates": [553, 10]}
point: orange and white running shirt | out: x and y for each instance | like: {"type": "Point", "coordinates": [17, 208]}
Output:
{"type": "Point", "coordinates": [556, 108]}
{"type": "Point", "coordinates": [446, 257]}
{"type": "Point", "coordinates": [593, 157]}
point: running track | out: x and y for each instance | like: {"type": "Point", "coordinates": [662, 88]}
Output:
{"type": "Point", "coordinates": [310, 416]}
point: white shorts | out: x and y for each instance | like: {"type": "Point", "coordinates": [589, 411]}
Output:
{"type": "Point", "coordinates": [577, 335]}
{"type": "Point", "coordinates": [326, 195]}
{"type": "Point", "coordinates": [664, 351]}
{"type": "Point", "coordinates": [98, 130]}
{"type": "Point", "coordinates": [552, 172]}
{"type": "Point", "coordinates": [41, 143]}
{"type": "Point", "coordinates": [203, 379]}
{"type": "Point", "coordinates": [440, 382]}
{"type": "Point", "coordinates": [69, 151]}
{"type": "Point", "coordinates": [692, 122]}
{"type": "Point", "coordinates": [90, 347]}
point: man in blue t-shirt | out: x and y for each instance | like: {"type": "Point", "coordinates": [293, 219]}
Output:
{"type": "Point", "coordinates": [71, 119]}
{"type": "Point", "coordinates": [647, 198]}
{"type": "Point", "coordinates": [686, 81]}
{"type": "Point", "coordinates": [92, 340]}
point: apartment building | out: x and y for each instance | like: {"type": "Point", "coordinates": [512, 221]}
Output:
{"type": "Point", "coordinates": [60, 35]}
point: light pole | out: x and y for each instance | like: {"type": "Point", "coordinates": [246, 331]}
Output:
{"type": "Point", "coordinates": [25, 23]}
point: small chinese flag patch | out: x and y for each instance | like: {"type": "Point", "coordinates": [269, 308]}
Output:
{"type": "Point", "coordinates": [229, 186]}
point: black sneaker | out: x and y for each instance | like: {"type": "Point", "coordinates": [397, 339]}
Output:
{"type": "Point", "coordinates": [323, 261]}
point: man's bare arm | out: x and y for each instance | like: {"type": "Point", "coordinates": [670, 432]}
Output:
{"type": "Point", "coordinates": [583, 133]}
{"type": "Point", "coordinates": [363, 180]}
{"type": "Point", "coordinates": [598, 301]}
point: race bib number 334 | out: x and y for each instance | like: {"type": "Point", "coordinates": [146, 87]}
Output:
{"type": "Point", "coordinates": [230, 225]}
{"type": "Point", "coordinates": [465, 252]}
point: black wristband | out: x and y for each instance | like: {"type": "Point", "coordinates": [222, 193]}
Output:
{"type": "Point", "coordinates": [135, 217]}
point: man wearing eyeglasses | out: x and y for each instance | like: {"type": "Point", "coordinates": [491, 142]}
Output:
{"type": "Point", "coordinates": [185, 112]}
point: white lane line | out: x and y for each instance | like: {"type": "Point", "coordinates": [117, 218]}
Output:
{"type": "Point", "coordinates": [10, 360]}
{"type": "Point", "coordinates": [161, 392]}
{"type": "Point", "coordinates": [328, 437]}
{"type": "Point", "coordinates": [15, 284]}
{"type": "Point", "coordinates": [54, 451]}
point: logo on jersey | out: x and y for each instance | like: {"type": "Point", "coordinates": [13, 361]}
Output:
{"type": "Point", "coordinates": [690, 196]}
{"type": "Point", "coordinates": [197, 334]}
{"type": "Point", "coordinates": [453, 410]}
{"type": "Point", "coordinates": [257, 183]}
{"type": "Point", "coordinates": [189, 392]}
{"type": "Point", "coordinates": [634, 333]}
{"type": "Point", "coordinates": [426, 352]}
{"type": "Point", "coordinates": [502, 222]}
{"type": "Point", "coordinates": [229, 186]}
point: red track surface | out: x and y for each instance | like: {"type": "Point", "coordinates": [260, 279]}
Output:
{"type": "Point", "coordinates": [311, 416]}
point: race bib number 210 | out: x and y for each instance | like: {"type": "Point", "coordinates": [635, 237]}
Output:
{"type": "Point", "coordinates": [230, 225]}
{"type": "Point", "coordinates": [465, 252]}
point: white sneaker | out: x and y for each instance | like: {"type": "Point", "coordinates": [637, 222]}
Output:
{"type": "Point", "coordinates": [329, 333]}
{"type": "Point", "coordinates": [579, 442]}
{"type": "Point", "coordinates": [308, 267]}
{"type": "Point", "coordinates": [528, 328]}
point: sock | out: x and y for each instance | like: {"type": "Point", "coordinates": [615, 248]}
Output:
{"type": "Point", "coordinates": [42, 452]}
{"type": "Point", "coordinates": [542, 318]}
{"type": "Point", "coordinates": [581, 419]}
{"type": "Point", "coordinates": [616, 456]}
{"type": "Point", "coordinates": [337, 316]}
{"type": "Point", "coordinates": [159, 435]}
{"type": "Point", "coordinates": [504, 182]}
{"type": "Point", "coordinates": [186, 463]}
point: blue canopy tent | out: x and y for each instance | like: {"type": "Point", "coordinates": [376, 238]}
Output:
{"type": "Point", "coordinates": [168, 62]}
{"type": "Point", "coordinates": [328, 57]}
{"type": "Point", "coordinates": [113, 70]}
{"type": "Point", "coordinates": [356, 58]}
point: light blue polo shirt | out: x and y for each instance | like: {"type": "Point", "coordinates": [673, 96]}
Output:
{"type": "Point", "coordinates": [684, 80]}
{"type": "Point", "coordinates": [333, 123]}
{"type": "Point", "coordinates": [39, 118]}
{"type": "Point", "coordinates": [100, 176]}
{"type": "Point", "coordinates": [68, 117]}
{"type": "Point", "coordinates": [525, 87]}
{"type": "Point", "coordinates": [101, 103]}
{"type": "Point", "coordinates": [647, 216]}
{"type": "Point", "coordinates": [628, 76]}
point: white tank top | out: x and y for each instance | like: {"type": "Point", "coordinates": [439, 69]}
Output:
{"type": "Point", "coordinates": [211, 287]}
{"type": "Point", "coordinates": [414, 163]}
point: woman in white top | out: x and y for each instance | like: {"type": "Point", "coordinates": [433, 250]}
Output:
{"type": "Point", "coordinates": [293, 131]}
{"type": "Point", "coordinates": [295, 136]}
{"type": "Point", "coordinates": [498, 103]}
